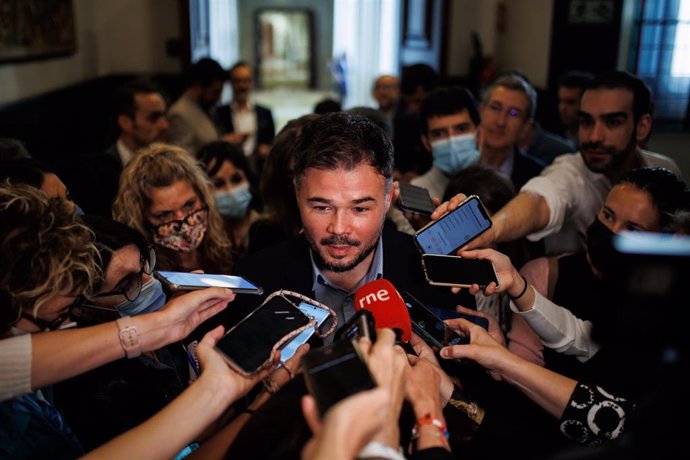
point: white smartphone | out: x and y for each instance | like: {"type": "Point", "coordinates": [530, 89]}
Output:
{"type": "Point", "coordinates": [183, 281]}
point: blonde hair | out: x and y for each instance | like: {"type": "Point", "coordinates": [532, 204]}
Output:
{"type": "Point", "coordinates": [45, 251]}
{"type": "Point", "coordinates": [161, 165]}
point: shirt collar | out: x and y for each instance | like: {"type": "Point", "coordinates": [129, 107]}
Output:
{"type": "Point", "coordinates": [125, 153]}
{"type": "Point", "coordinates": [375, 271]}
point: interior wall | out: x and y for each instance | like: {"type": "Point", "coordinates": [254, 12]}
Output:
{"type": "Point", "coordinates": [113, 36]}
{"type": "Point", "coordinates": [323, 31]}
{"type": "Point", "coordinates": [526, 42]}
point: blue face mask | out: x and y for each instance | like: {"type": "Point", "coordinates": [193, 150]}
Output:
{"type": "Point", "coordinates": [152, 298]}
{"type": "Point", "coordinates": [234, 203]}
{"type": "Point", "coordinates": [455, 153]}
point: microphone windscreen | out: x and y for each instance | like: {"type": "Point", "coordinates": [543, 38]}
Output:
{"type": "Point", "coordinates": [386, 305]}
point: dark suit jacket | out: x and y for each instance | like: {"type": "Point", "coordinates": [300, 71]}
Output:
{"type": "Point", "coordinates": [525, 167]}
{"type": "Point", "coordinates": [265, 129]}
{"type": "Point", "coordinates": [288, 266]}
{"type": "Point", "coordinates": [94, 179]}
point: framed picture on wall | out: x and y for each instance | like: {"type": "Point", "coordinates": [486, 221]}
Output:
{"type": "Point", "coordinates": [36, 29]}
{"type": "Point", "coordinates": [285, 48]}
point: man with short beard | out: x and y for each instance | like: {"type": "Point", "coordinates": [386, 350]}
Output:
{"type": "Point", "coordinates": [560, 203]}
{"type": "Point", "coordinates": [344, 187]}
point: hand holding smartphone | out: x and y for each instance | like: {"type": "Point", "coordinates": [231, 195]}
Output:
{"type": "Point", "coordinates": [454, 229]}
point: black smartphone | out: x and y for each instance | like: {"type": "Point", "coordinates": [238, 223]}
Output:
{"type": "Point", "coordinates": [445, 314]}
{"type": "Point", "coordinates": [415, 199]}
{"type": "Point", "coordinates": [247, 347]}
{"type": "Point", "coordinates": [457, 271]}
{"type": "Point", "coordinates": [361, 324]}
{"type": "Point", "coordinates": [454, 229]}
{"type": "Point", "coordinates": [429, 326]}
{"type": "Point", "coordinates": [334, 372]}
{"type": "Point", "coordinates": [183, 281]}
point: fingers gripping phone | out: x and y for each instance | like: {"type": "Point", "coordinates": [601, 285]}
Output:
{"type": "Point", "coordinates": [248, 346]}
{"type": "Point", "coordinates": [319, 314]}
{"type": "Point", "coordinates": [429, 326]}
{"type": "Point", "coordinates": [182, 281]}
{"type": "Point", "coordinates": [415, 199]}
{"type": "Point", "coordinates": [335, 372]}
{"type": "Point", "coordinates": [440, 270]}
{"type": "Point", "coordinates": [454, 229]}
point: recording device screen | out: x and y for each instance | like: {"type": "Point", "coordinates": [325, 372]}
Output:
{"type": "Point", "coordinates": [429, 326]}
{"type": "Point", "coordinates": [335, 372]}
{"type": "Point", "coordinates": [191, 281]}
{"type": "Point", "coordinates": [319, 314]}
{"type": "Point", "coordinates": [415, 199]}
{"type": "Point", "coordinates": [454, 229]}
{"type": "Point", "coordinates": [458, 271]}
{"type": "Point", "coordinates": [248, 345]}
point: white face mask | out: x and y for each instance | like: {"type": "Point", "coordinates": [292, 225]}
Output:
{"type": "Point", "coordinates": [455, 153]}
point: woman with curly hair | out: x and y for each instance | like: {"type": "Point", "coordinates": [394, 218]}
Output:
{"type": "Point", "coordinates": [165, 195]}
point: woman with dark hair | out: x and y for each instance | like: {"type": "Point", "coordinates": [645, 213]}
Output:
{"type": "Point", "coordinates": [234, 190]}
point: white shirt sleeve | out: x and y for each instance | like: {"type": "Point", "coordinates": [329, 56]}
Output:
{"type": "Point", "coordinates": [559, 329]}
{"type": "Point", "coordinates": [557, 184]}
{"type": "Point", "coordinates": [15, 366]}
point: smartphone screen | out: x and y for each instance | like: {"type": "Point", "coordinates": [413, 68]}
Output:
{"type": "Point", "coordinates": [319, 314]}
{"type": "Point", "coordinates": [190, 281]}
{"type": "Point", "coordinates": [454, 229]}
{"type": "Point", "coordinates": [444, 314]}
{"type": "Point", "coordinates": [335, 372]}
{"type": "Point", "coordinates": [458, 271]}
{"type": "Point", "coordinates": [429, 326]}
{"type": "Point", "coordinates": [416, 199]}
{"type": "Point", "coordinates": [248, 345]}
{"type": "Point", "coordinates": [361, 324]}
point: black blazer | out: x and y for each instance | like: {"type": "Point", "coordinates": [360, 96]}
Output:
{"type": "Point", "coordinates": [265, 129]}
{"type": "Point", "coordinates": [93, 181]}
{"type": "Point", "coordinates": [288, 266]}
{"type": "Point", "coordinates": [525, 167]}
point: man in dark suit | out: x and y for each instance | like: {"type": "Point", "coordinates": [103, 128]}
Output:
{"type": "Point", "coordinates": [343, 180]}
{"type": "Point", "coordinates": [141, 119]}
{"type": "Point", "coordinates": [242, 121]}
{"type": "Point", "coordinates": [507, 108]}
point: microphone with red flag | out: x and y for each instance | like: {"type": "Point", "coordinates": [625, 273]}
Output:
{"type": "Point", "coordinates": [386, 305]}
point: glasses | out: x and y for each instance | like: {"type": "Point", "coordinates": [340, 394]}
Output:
{"type": "Point", "coordinates": [130, 286]}
{"type": "Point", "coordinates": [496, 108]}
{"type": "Point", "coordinates": [174, 226]}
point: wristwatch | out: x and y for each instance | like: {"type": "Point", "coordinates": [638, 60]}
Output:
{"type": "Point", "coordinates": [129, 337]}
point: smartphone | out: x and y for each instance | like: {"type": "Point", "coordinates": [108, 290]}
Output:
{"type": "Point", "coordinates": [361, 324]}
{"type": "Point", "coordinates": [415, 199]}
{"type": "Point", "coordinates": [183, 281]}
{"type": "Point", "coordinates": [428, 326]}
{"type": "Point", "coordinates": [454, 229]}
{"type": "Point", "coordinates": [319, 314]}
{"type": "Point", "coordinates": [458, 271]}
{"type": "Point", "coordinates": [444, 314]}
{"type": "Point", "coordinates": [335, 372]}
{"type": "Point", "coordinates": [247, 347]}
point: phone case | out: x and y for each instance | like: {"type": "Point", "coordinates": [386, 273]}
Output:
{"type": "Point", "coordinates": [434, 222]}
{"type": "Point", "coordinates": [437, 283]}
{"type": "Point", "coordinates": [423, 195]}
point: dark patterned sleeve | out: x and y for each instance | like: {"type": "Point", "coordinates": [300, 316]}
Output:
{"type": "Point", "coordinates": [593, 415]}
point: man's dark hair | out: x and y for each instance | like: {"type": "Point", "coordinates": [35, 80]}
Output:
{"type": "Point", "coordinates": [416, 75]}
{"type": "Point", "coordinates": [12, 149]}
{"type": "Point", "coordinates": [327, 105]}
{"type": "Point", "coordinates": [375, 116]}
{"type": "Point", "coordinates": [448, 101]}
{"type": "Point", "coordinates": [576, 79]}
{"type": "Point", "coordinates": [25, 171]}
{"type": "Point", "coordinates": [343, 140]}
{"type": "Point", "coordinates": [206, 71]}
{"type": "Point", "coordinates": [668, 192]}
{"type": "Point", "coordinates": [642, 95]}
{"type": "Point", "coordinates": [124, 96]}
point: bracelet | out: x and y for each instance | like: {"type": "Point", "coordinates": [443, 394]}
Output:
{"type": "Point", "coordinates": [428, 420]}
{"type": "Point", "coordinates": [523, 290]}
{"type": "Point", "coordinates": [129, 337]}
